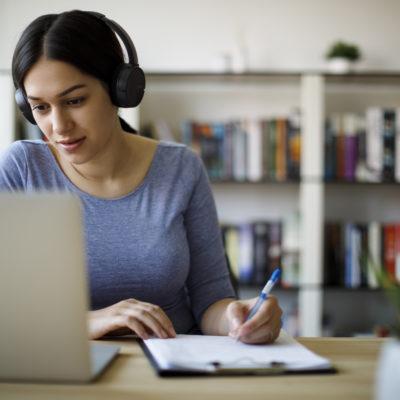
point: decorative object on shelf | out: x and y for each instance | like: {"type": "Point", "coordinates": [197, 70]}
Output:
{"type": "Point", "coordinates": [342, 56]}
{"type": "Point", "coordinates": [387, 380]}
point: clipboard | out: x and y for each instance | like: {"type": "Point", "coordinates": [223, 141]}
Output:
{"type": "Point", "coordinates": [231, 357]}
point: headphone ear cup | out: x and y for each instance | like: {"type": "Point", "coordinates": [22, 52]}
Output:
{"type": "Point", "coordinates": [24, 106]}
{"type": "Point", "coordinates": [127, 87]}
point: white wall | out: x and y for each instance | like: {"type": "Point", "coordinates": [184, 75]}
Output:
{"type": "Point", "coordinates": [193, 35]}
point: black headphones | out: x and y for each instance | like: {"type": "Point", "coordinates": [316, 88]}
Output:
{"type": "Point", "coordinates": [127, 85]}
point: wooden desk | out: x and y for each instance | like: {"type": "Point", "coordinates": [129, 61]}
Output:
{"type": "Point", "coordinates": [131, 377]}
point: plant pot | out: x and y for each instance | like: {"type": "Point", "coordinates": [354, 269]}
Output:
{"type": "Point", "coordinates": [387, 385]}
{"type": "Point", "coordinates": [340, 65]}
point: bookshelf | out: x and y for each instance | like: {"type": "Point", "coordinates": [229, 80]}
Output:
{"type": "Point", "coordinates": [213, 96]}
{"type": "Point", "coordinates": [175, 97]}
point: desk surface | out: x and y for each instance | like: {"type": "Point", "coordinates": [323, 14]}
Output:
{"type": "Point", "coordinates": [130, 376]}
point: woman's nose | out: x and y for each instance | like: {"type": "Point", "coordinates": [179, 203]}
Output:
{"type": "Point", "coordinates": [61, 121]}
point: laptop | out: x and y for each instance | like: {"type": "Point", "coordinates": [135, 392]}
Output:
{"type": "Point", "coordinates": [43, 292]}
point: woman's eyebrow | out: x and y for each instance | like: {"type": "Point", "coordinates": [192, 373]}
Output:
{"type": "Point", "coordinates": [63, 93]}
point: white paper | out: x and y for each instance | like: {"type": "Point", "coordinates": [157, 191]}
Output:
{"type": "Point", "coordinates": [201, 352]}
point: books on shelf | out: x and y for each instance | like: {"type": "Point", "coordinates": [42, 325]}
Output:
{"type": "Point", "coordinates": [363, 147]}
{"type": "Point", "coordinates": [348, 246]}
{"type": "Point", "coordinates": [247, 150]}
{"type": "Point", "coordinates": [256, 248]}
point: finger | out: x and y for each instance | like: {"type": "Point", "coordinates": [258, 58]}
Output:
{"type": "Point", "coordinates": [148, 320]}
{"type": "Point", "coordinates": [266, 333]}
{"type": "Point", "coordinates": [122, 324]}
{"type": "Point", "coordinates": [268, 310]}
{"type": "Point", "coordinates": [137, 327]}
{"type": "Point", "coordinates": [153, 311]}
{"type": "Point", "coordinates": [237, 314]}
{"type": "Point", "coordinates": [158, 313]}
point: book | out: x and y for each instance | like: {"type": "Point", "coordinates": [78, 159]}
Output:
{"type": "Point", "coordinates": [330, 150]}
{"type": "Point", "coordinates": [246, 253]}
{"type": "Point", "coordinates": [232, 247]}
{"type": "Point", "coordinates": [350, 146]}
{"type": "Point", "coordinates": [262, 268]}
{"type": "Point", "coordinates": [389, 144]}
{"type": "Point", "coordinates": [374, 251]}
{"type": "Point", "coordinates": [374, 141]}
{"type": "Point", "coordinates": [333, 254]}
{"type": "Point", "coordinates": [389, 249]}
{"type": "Point", "coordinates": [281, 152]}
{"type": "Point", "coordinates": [294, 145]}
{"type": "Point", "coordinates": [254, 150]}
{"type": "Point", "coordinates": [223, 355]}
{"type": "Point", "coordinates": [397, 252]}
{"type": "Point", "coordinates": [397, 144]}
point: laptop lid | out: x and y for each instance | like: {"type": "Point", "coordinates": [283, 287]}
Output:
{"type": "Point", "coordinates": [43, 290]}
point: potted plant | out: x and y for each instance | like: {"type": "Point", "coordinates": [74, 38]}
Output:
{"type": "Point", "coordinates": [342, 56]}
{"type": "Point", "coordinates": [388, 370]}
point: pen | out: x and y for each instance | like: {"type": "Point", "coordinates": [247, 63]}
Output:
{"type": "Point", "coordinates": [265, 292]}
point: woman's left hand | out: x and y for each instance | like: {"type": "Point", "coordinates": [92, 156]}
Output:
{"type": "Point", "coordinates": [263, 327]}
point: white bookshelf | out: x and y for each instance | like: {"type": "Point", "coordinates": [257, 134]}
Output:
{"type": "Point", "coordinates": [175, 97]}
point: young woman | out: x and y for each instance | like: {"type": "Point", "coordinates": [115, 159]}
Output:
{"type": "Point", "coordinates": [156, 263]}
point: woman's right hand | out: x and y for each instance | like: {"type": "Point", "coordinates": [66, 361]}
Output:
{"type": "Point", "coordinates": [130, 316]}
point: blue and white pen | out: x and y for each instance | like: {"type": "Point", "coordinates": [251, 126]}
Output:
{"type": "Point", "coordinates": [265, 292]}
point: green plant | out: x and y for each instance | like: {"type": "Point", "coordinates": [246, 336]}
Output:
{"type": "Point", "coordinates": [391, 288]}
{"type": "Point", "coordinates": [344, 50]}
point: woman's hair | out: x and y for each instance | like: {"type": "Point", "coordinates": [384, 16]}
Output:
{"type": "Point", "coordinates": [75, 37]}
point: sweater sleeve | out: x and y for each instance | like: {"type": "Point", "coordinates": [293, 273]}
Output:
{"type": "Point", "coordinates": [208, 279]}
{"type": "Point", "coordinates": [13, 168]}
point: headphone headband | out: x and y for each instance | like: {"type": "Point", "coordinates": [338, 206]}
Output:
{"type": "Point", "coordinates": [121, 32]}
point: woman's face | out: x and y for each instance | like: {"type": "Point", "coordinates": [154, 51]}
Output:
{"type": "Point", "coordinates": [72, 109]}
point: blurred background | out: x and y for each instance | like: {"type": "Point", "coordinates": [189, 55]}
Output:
{"type": "Point", "coordinates": [293, 106]}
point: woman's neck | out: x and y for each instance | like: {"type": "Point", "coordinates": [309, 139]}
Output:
{"type": "Point", "coordinates": [110, 164]}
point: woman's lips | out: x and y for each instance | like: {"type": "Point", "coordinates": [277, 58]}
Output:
{"type": "Point", "coordinates": [71, 145]}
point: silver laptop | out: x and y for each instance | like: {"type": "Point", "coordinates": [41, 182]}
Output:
{"type": "Point", "coordinates": [43, 292]}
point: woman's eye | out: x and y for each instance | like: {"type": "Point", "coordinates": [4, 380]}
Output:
{"type": "Point", "coordinates": [39, 108]}
{"type": "Point", "coordinates": [75, 102]}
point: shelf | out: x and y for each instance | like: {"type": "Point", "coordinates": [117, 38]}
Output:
{"type": "Point", "coordinates": [315, 287]}
{"type": "Point", "coordinates": [358, 183]}
{"type": "Point", "coordinates": [262, 182]}
{"type": "Point", "coordinates": [308, 180]}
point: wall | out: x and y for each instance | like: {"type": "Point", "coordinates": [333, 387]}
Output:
{"type": "Point", "coordinates": [189, 35]}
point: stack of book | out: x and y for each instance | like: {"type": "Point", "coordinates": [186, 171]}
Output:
{"type": "Point", "coordinates": [255, 249]}
{"type": "Point", "coordinates": [363, 147]}
{"type": "Point", "coordinates": [351, 248]}
{"type": "Point", "coordinates": [247, 150]}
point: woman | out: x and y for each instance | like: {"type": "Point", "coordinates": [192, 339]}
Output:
{"type": "Point", "coordinates": [156, 263]}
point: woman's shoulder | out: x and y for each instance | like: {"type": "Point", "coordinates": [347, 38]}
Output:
{"type": "Point", "coordinates": [15, 162]}
{"type": "Point", "coordinates": [181, 157]}
{"type": "Point", "coordinates": [20, 150]}
{"type": "Point", "coordinates": [170, 154]}
{"type": "Point", "coordinates": [20, 146]}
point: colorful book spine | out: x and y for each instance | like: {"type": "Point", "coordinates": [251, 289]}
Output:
{"type": "Point", "coordinates": [350, 146]}
{"type": "Point", "coordinates": [374, 130]}
{"type": "Point", "coordinates": [389, 249]}
{"type": "Point", "coordinates": [397, 144]}
{"type": "Point", "coordinates": [254, 151]}
{"type": "Point", "coordinates": [389, 144]}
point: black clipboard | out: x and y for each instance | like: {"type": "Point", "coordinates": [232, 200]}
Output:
{"type": "Point", "coordinates": [216, 369]}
